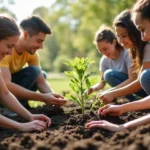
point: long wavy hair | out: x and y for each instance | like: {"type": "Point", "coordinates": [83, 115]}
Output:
{"type": "Point", "coordinates": [137, 51]}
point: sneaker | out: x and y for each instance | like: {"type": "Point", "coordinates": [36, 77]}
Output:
{"type": "Point", "coordinates": [8, 113]}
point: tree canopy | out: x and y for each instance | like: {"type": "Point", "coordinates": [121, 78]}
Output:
{"type": "Point", "coordinates": [74, 23]}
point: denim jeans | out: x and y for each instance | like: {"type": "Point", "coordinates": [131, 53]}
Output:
{"type": "Point", "coordinates": [114, 78]}
{"type": "Point", "coordinates": [145, 80]}
{"type": "Point", "coordinates": [27, 78]}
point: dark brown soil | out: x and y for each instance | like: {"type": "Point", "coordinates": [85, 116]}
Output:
{"type": "Point", "coordinates": [67, 132]}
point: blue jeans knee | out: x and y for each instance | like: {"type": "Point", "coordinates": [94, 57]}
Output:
{"type": "Point", "coordinates": [145, 80]}
{"type": "Point", "coordinates": [34, 71]}
{"type": "Point", "coordinates": [114, 78]}
{"type": "Point", "coordinates": [44, 74]}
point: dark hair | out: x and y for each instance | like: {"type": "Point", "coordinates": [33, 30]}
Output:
{"type": "Point", "coordinates": [137, 52]}
{"type": "Point", "coordinates": [34, 24]}
{"type": "Point", "coordinates": [8, 27]}
{"type": "Point", "coordinates": [142, 7]}
{"type": "Point", "coordinates": [107, 34]}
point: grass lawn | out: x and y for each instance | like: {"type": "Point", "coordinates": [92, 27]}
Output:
{"type": "Point", "coordinates": [60, 84]}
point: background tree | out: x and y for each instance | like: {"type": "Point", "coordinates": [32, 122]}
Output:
{"type": "Point", "coordinates": [74, 23]}
{"type": "Point", "coordinates": [4, 9]}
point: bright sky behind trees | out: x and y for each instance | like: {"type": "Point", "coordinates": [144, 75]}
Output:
{"type": "Point", "coordinates": [24, 8]}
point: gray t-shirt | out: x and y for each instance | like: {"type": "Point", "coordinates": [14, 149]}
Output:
{"type": "Point", "coordinates": [122, 64]}
{"type": "Point", "coordinates": [146, 57]}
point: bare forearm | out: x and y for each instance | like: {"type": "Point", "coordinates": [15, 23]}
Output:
{"type": "Point", "coordinates": [140, 121]}
{"type": "Point", "coordinates": [99, 86]}
{"type": "Point", "coordinates": [125, 83]}
{"type": "Point", "coordinates": [45, 88]}
{"type": "Point", "coordinates": [43, 85]}
{"type": "Point", "coordinates": [137, 105]}
{"type": "Point", "coordinates": [7, 123]}
{"type": "Point", "coordinates": [12, 103]}
{"type": "Point", "coordinates": [128, 89]}
{"type": "Point", "coordinates": [21, 92]}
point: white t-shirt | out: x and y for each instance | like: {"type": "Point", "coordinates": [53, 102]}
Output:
{"type": "Point", "coordinates": [121, 64]}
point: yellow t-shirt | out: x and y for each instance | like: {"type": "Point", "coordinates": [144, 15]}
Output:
{"type": "Point", "coordinates": [15, 62]}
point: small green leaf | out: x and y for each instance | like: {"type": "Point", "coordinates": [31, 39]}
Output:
{"type": "Point", "coordinates": [88, 84]}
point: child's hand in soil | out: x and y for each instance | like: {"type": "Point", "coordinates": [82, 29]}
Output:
{"type": "Point", "coordinates": [105, 125]}
{"type": "Point", "coordinates": [35, 125]}
{"type": "Point", "coordinates": [112, 110]}
{"type": "Point", "coordinates": [106, 97]}
{"type": "Point", "coordinates": [54, 99]}
{"type": "Point", "coordinates": [41, 117]}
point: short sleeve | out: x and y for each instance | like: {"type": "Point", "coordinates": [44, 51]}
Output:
{"type": "Point", "coordinates": [103, 64]}
{"type": "Point", "coordinates": [5, 61]}
{"type": "Point", "coordinates": [34, 60]}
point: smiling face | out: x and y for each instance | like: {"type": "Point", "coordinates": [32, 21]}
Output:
{"type": "Point", "coordinates": [7, 45]}
{"type": "Point", "coordinates": [106, 48]}
{"type": "Point", "coordinates": [123, 37]}
{"type": "Point", "coordinates": [35, 42]}
{"type": "Point", "coordinates": [143, 25]}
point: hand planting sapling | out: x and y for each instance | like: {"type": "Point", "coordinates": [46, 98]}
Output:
{"type": "Point", "coordinates": [80, 80]}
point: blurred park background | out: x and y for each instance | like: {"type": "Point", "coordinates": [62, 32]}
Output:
{"type": "Point", "coordinates": [74, 23]}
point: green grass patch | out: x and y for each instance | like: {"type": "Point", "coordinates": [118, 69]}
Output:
{"type": "Point", "coordinates": [60, 85]}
